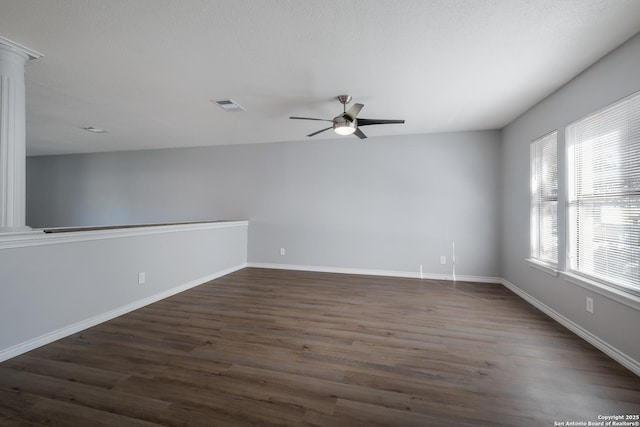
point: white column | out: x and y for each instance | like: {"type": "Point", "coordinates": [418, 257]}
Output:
{"type": "Point", "coordinates": [13, 59]}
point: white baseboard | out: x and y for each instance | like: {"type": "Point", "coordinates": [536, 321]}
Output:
{"type": "Point", "coordinates": [52, 336]}
{"type": "Point", "coordinates": [622, 358]}
{"type": "Point", "coordinates": [370, 272]}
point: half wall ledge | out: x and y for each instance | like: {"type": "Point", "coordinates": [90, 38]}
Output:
{"type": "Point", "coordinates": [52, 236]}
{"type": "Point", "coordinates": [113, 227]}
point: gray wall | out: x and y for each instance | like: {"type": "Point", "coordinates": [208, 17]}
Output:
{"type": "Point", "coordinates": [614, 77]}
{"type": "Point", "coordinates": [388, 203]}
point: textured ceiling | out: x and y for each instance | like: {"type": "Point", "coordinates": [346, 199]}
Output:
{"type": "Point", "coordinates": [146, 70]}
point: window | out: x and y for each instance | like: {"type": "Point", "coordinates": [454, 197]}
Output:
{"type": "Point", "coordinates": [604, 195]}
{"type": "Point", "coordinates": [544, 199]}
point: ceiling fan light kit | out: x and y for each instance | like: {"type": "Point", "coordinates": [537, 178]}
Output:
{"type": "Point", "coordinates": [347, 122]}
{"type": "Point", "coordinates": [342, 126]}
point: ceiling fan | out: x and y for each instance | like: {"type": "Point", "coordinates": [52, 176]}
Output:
{"type": "Point", "coordinates": [347, 122]}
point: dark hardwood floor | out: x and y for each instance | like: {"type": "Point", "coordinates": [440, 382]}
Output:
{"type": "Point", "coordinates": [283, 348]}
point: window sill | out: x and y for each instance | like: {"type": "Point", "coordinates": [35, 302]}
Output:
{"type": "Point", "coordinates": [617, 295]}
{"type": "Point", "coordinates": [545, 268]}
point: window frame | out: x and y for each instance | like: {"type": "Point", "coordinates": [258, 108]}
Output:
{"type": "Point", "coordinates": [538, 202]}
{"type": "Point", "coordinates": [575, 202]}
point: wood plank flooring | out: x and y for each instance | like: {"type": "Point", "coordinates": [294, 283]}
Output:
{"type": "Point", "coordinates": [282, 348]}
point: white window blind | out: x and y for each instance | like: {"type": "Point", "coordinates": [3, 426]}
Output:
{"type": "Point", "coordinates": [544, 199]}
{"type": "Point", "coordinates": [604, 195]}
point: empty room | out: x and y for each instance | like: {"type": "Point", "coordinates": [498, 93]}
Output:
{"type": "Point", "coordinates": [356, 213]}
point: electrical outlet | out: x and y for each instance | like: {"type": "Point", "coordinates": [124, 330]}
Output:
{"type": "Point", "coordinates": [443, 260]}
{"type": "Point", "coordinates": [590, 304]}
{"type": "Point", "coordinates": [142, 277]}
{"type": "Point", "coordinates": [283, 252]}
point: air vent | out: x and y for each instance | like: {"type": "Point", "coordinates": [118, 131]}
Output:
{"type": "Point", "coordinates": [94, 129]}
{"type": "Point", "coordinates": [228, 105]}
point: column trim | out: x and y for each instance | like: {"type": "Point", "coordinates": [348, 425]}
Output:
{"type": "Point", "coordinates": [13, 59]}
{"type": "Point", "coordinates": [31, 54]}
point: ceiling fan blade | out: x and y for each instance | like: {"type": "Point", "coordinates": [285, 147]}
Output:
{"type": "Point", "coordinates": [320, 131]}
{"type": "Point", "coordinates": [359, 134]}
{"type": "Point", "coordinates": [310, 118]}
{"type": "Point", "coordinates": [367, 122]}
{"type": "Point", "coordinates": [354, 110]}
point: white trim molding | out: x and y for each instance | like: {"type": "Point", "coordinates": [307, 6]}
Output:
{"type": "Point", "coordinates": [50, 337]}
{"type": "Point", "coordinates": [371, 272]}
{"type": "Point", "coordinates": [17, 47]}
{"type": "Point", "coordinates": [620, 357]}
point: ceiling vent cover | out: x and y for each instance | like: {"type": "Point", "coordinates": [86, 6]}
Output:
{"type": "Point", "coordinates": [94, 129]}
{"type": "Point", "coordinates": [229, 105]}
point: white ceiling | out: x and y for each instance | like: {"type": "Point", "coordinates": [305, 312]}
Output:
{"type": "Point", "coordinates": [146, 70]}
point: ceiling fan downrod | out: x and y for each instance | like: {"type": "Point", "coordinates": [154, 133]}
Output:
{"type": "Point", "coordinates": [344, 100]}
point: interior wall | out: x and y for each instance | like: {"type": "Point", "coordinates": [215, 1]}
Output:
{"type": "Point", "coordinates": [386, 203]}
{"type": "Point", "coordinates": [57, 284]}
{"type": "Point", "coordinates": [614, 77]}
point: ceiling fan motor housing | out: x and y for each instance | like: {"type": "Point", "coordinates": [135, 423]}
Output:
{"type": "Point", "coordinates": [343, 125]}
